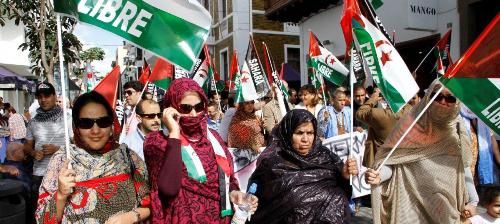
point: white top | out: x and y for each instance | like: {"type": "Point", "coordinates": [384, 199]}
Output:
{"type": "Point", "coordinates": [317, 108]}
{"type": "Point", "coordinates": [484, 218]}
{"type": "Point", "coordinates": [135, 141]}
{"type": "Point", "coordinates": [225, 122]}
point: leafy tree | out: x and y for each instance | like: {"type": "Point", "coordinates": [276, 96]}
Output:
{"type": "Point", "coordinates": [39, 20]}
{"type": "Point", "coordinates": [92, 54]}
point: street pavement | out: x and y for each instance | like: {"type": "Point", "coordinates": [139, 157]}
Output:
{"type": "Point", "coordinates": [364, 216]}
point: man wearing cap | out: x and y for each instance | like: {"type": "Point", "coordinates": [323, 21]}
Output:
{"type": "Point", "coordinates": [45, 134]}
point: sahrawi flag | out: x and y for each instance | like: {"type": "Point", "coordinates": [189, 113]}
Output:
{"type": "Point", "coordinates": [203, 71]}
{"type": "Point", "coordinates": [244, 85]}
{"type": "Point", "coordinates": [442, 54]}
{"type": "Point", "coordinates": [90, 79]}
{"type": "Point", "coordinates": [108, 88]}
{"type": "Point", "coordinates": [384, 64]}
{"type": "Point", "coordinates": [173, 29]}
{"type": "Point", "coordinates": [162, 74]}
{"type": "Point", "coordinates": [256, 70]}
{"type": "Point", "coordinates": [325, 63]}
{"type": "Point", "coordinates": [475, 78]}
{"type": "Point", "coordinates": [234, 71]}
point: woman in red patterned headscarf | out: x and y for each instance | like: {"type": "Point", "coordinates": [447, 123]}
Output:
{"type": "Point", "coordinates": [191, 169]}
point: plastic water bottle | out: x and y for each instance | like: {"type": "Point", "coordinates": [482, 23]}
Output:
{"type": "Point", "coordinates": [242, 212]}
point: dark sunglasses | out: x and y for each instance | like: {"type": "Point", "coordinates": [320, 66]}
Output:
{"type": "Point", "coordinates": [448, 98]}
{"type": "Point", "coordinates": [151, 116]}
{"type": "Point", "coordinates": [187, 108]}
{"type": "Point", "coordinates": [129, 92]}
{"type": "Point", "coordinates": [88, 123]}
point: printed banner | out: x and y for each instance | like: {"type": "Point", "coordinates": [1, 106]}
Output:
{"type": "Point", "coordinates": [340, 146]}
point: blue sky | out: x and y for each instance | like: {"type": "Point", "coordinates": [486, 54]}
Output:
{"type": "Point", "coordinates": [91, 36]}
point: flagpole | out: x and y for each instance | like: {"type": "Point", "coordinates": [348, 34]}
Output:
{"type": "Point", "coordinates": [352, 123]}
{"type": "Point", "coordinates": [421, 62]}
{"type": "Point", "coordinates": [63, 87]}
{"type": "Point", "coordinates": [217, 92]}
{"type": "Point", "coordinates": [409, 128]}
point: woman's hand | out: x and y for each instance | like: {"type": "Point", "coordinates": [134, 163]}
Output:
{"type": "Point", "coordinates": [66, 182]}
{"type": "Point", "coordinates": [372, 177]}
{"type": "Point", "coordinates": [171, 120]}
{"type": "Point", "coordinates": [350, 168]}
{"type": "Point", "coordinates": [122, 218]}
{"type": "Point", "coordinates": [238, 198]}
{"type": "Point", "coordinates": [469, 211]}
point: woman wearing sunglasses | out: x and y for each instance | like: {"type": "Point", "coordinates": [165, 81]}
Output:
{"type": "Point", "coordinates": [104, 183]}
{"type": "Point", "coordinates": [191, 170]}
{"type": "Point", "coordinates": [425, 180]}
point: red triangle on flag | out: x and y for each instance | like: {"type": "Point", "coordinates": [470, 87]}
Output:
{"type": "Point", "coordinates": [351, 9]}
{"type": "Point", "coordinates": [109, 85]}
{"type": "Point", "coordinates": [482, 57]}
{"type": "Point", "coordinates": [162, 70]}
{"type": "Point", "coordinates": [108, 88]}
{"type": "Point", "coordinates": [145, 74]}
{"type": "Point", "coordinates": [314, 45]}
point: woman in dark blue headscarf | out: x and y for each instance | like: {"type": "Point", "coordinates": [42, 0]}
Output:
{"type": "Point", "coordinates": [299, 180]}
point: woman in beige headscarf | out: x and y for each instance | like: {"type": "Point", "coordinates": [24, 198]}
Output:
{"type": "Point", "coordinates": [423, 181]}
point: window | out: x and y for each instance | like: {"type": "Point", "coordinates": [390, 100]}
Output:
{"type": "Point", "coordinates": [206, 4]}
{"type": "Point", "coordinates": [292, 57]}
{"type": "Point", "coordinates": [222, 9]}
{"type": "Point", "coordinates": [224, 65]}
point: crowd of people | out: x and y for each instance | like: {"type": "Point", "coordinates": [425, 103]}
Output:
{"type": "Point", "coordinates": [174, 163]}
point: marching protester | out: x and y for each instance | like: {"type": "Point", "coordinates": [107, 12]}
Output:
{"type": "Point", "coordinates": [217, 99]}
{"type": "Point", "coordinates": [299, 180]}
{"type": "Point", "coordinates": [335, 120]}
{"type": "Point", "coordinates": [245, 130]}
{"type": "Point", "coordinates": [426, 169]}
{"type": "Point", "coordinates": [17, 126]}
{"type": "Point", "coordinates": [310, 100]}
{"type": "Point", "coordinates": [271, 113]}
{"type": "Point", "coordinates": [484, 149]}
{"type": "Point", "coordinates": [149, 117]}
{"type": "Point", "coordinates": [214, 116]}
{"type": "Point", "coordinates": [132, 90]}
{"type": "Point", "coordinates": [359, 99]}
{"type": "Point", "coordinates": [45, 135]}
{"type": "Point", "coordinates": [81, 193]}
{"type": "Point", "coordinates": [292, 96]}
{"type": "Point", "coordinates": [191, 170]}
{"type": "Point", "coordinates": [380, 120]}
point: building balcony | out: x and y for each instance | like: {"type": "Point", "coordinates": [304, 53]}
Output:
{"type": "Point", "coordinates": [295, 10]}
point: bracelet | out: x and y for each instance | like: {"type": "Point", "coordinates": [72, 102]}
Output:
{"type": "Point", "coordinates": [137, 215]}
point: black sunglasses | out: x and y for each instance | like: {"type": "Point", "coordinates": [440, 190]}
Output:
{"type": "Point", "coordinates": [447, 98]}
{"type": "Point", "coordinates": [151, 116]}
{"type": "Point", "coordinates": [88, 123]}
{"type": "Point", "coordinates": [129, 92]}
{"type": "Point", "coordinates": [187, 108]}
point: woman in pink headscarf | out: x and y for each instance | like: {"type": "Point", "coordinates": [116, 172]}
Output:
{"type": "Point", "coordinates": [190, 168]}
